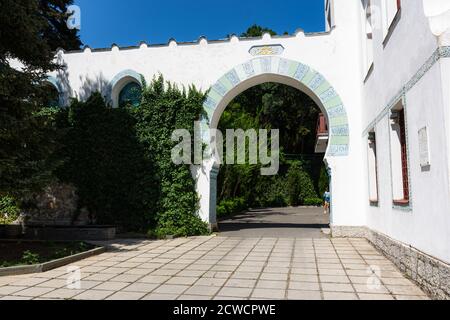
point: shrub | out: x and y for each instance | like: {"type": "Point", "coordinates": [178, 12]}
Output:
{"type": "Point", "coordinates": [231, 207]}
{"type": "Point", "coordinates": [314, 202]}
{"type": "Point", "coordinates": [221, 211]}
{"type": "Point", "coordinates": [294, 185]}
{"type": "Point", "coordinates": [9, 210]}
{"type": "Point", "coordinates": [306, 184]}
{"type": "Point", "coordinates": [271, 192]}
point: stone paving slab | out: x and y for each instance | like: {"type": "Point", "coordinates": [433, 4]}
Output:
{"type": "Point", "coordinates": [207, 268]}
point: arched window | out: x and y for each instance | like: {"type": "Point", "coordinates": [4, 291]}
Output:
{"type": "Point", "coordinates": [130, 95]}
{"type": "Point", "coordinates": [51, 95]}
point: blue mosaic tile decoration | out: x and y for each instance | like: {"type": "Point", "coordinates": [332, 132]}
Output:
{"type": "Point", "coordinates": [337, 115]}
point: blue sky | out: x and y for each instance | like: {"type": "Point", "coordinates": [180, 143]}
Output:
{"type": "Point", "coordinates": [127, 22]}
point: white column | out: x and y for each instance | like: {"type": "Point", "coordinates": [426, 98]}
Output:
{"type": "Point", "coordinates": [206, 185]}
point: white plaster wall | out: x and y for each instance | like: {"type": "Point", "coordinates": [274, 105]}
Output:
{"type": "Point", "coordinates": [409, 46]}
{"type": "Point", "coordinates": [427, 225]}
{"type": "Point", "coordinates": [348, 193]}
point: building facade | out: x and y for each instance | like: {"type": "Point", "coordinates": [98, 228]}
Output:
{"type": "Point", "coordinates": [405, 102]}
{"type": "Point", "coordinates": [380, 73]}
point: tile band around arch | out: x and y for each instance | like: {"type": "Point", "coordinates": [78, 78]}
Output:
{"type": "Point", "coordinates": [337, 115]}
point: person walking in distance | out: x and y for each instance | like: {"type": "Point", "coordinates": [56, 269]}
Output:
{"type": "Point", "coordinates": [327, 201]}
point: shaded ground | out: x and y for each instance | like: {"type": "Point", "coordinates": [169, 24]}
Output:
{"type": "Point", "coordinates": [204, 268]}
{"type": "Point", "coordinates": [296, 222]}
{"type": "Point", "coordinates": [14, 253]}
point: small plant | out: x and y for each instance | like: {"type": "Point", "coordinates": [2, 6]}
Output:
{"type": "Point", "coordinates": [30, 258]}
{"type": "Point", "coordinates": [69, 250]}
{"type": "Point", "coordinates": [9, 211]}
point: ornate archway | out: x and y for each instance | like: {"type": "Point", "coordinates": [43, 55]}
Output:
{"type": "Point", "coordinates": [270, 69]}
{"type": "Point", "coordinates": [275, 69]}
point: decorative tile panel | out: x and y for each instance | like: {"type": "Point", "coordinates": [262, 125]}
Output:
{"type": "Point", "coordinates": [301, 72]}
{"type": "Point", "coordinates": [233, 77]}
{"type": "Point", "coordinates": [283, 67]}
{"type": "Point", "coordinates": [249, 69]}
{"type": "Point", "coordinates": [266, 65]}
{"type": "Point", "coordinates": [220, 88]}
{"type": "Point", "coordinates": [328, 95]}
{"type": "Point", "coordinates": [270, 50]}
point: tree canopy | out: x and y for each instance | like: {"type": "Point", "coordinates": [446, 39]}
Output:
{"type": "Point", "coordinates": [30, 31]}
{"type": "Point", "coordinates": [257, 31]}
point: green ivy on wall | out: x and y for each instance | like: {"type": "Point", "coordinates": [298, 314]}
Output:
{"type": "Point", "coordinates": [164, 108]}
{"type": "Point", "coordinates": [119, 159]}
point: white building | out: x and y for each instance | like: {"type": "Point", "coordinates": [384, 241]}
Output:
{"type": "Point", "coordinates": [381, 75]}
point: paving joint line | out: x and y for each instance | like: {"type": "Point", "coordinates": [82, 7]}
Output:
{"type": "Point", "coordinates": [173, 276]}
{"type": "Point", "coordinates": [264, 266]}
{"type": "Point", "coordinates": [234, 272]}
{"type": "Point", "coordinates": [373, 274]}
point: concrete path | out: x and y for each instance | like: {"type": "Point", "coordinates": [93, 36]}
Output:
{"type": "Point", "coordinates": [203, 268]}
{"type": "Point", "coordinates": [280, 223]}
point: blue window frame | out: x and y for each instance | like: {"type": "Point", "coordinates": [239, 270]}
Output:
{"type": "Point", "coordinates": [130, 95]}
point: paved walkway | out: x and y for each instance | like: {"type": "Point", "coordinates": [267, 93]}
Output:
{"type": "Point", "coordinates": [224, 268]}
{"type": "Point", "coordinates": [298, 222]}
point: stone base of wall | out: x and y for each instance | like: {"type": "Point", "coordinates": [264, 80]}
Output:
{"type": "Point", "coordinates": [431, 274]}
{"type": "Point", "coordinates": [214, 227]}
{"type": "Point", "coordinates": [348, 232]}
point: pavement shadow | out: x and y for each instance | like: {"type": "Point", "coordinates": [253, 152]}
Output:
{"type": "Point", "coordinates": [226, 227]}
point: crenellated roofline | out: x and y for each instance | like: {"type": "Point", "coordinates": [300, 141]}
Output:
{"type": "Point", "coordinates": [201, 41]}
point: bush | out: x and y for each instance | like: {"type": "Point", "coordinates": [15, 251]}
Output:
{"type": "Point", "coordinates": [271, 192]}
{"type": "Point", "coordinates": [313, 202]}
{"type": "Point", "coordinates": [231, 207]}
{"type": "Point", "coordinates": [293, 184]}
{"type": "Point", "coordinates": [306, 184]}
{"type": "Point", "coordinates": [9, 211]}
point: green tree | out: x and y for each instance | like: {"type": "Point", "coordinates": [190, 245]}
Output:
{"type": "Point", "coordinates": [257, 31]}
{"type": "Point", "coordinates": [269, 106]}
{"type": "Point", "coordinates": [56, 33]}
{"type": "Point", "coordinates": [29, 32]}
